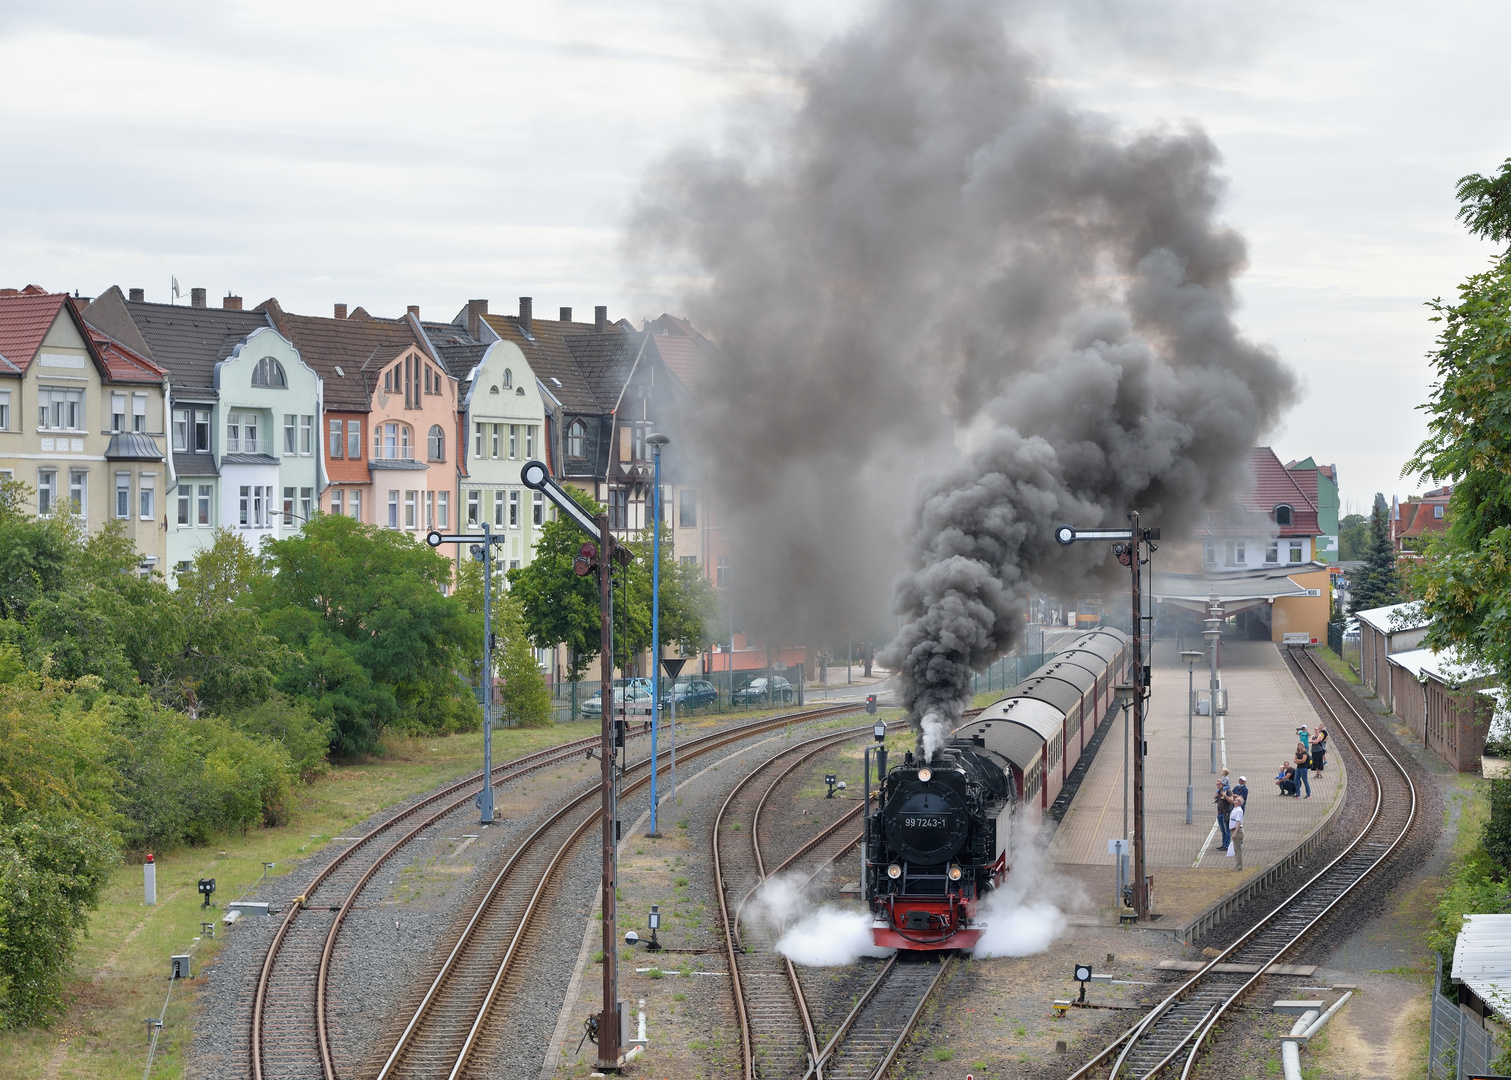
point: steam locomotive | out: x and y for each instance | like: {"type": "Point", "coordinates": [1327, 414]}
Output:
{"type": "Point", "coordinates": [940, 837]}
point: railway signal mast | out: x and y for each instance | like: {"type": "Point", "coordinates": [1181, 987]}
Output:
{"type": "Point", "coordinates": [1132, 546]}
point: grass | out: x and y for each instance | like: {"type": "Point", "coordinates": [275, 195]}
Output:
{"type": "Point", "coordinates": [121, 969]}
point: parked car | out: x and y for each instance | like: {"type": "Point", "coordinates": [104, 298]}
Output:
{"type": "Point", "coordinates": [635, 698]}
{"type": "Point", "coordinates": [690, 694]}
{"type": "Point", "coordinates": [755, 692]}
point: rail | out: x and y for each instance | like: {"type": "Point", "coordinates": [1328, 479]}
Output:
{"type": "Point", "coordinates": [1177, 1027]}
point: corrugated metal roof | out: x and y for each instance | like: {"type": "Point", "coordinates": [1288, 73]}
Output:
{"type": "Point", "coordinates": [1395, 618]}
{"type": "Point", "coordinates": [1446, 667]}
{"type": "Point", "coordinates": [1482, 959]}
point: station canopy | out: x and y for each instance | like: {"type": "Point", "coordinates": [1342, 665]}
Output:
{"type": "Point", "coordinates": [1237, 592]}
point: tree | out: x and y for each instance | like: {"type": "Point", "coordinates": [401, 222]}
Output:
{"type": "Point", "coordinates": [1464, 578]}
{"type": "Point", "coordinates": [1485, 203]}
{"type": "Point", "coordinates": [687, 599]}
{"type": "Point", "coordinates": [381, 644]}
{"type": "Point", "coordinates": [1353, 537]}
{"type": "Point", "coordinates": [1376, 583]}
{"type": "Point", "coordinates": [558, 606]}
{"type": "Point", "coordinates": [526, 700]}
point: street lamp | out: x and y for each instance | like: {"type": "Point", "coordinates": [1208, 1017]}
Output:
{"type": "Point", "coordinates": [656, 441]}
{"type": "Point", "coordinates": [1190, 656]}
{"type": "Point", "coordinates": [1213, 634]}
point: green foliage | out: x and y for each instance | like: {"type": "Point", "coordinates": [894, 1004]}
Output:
{"type": "Point", "coordinates": [560, 608]}
{"type": "Point", "coordinates": [1376, 583]}
{"type": "Point", "coordinates": [1353, 537]}
{"type": "Point", "coordinates": [1465, 576]}
{"type": "Point", "coordinates": [366, 609]}
{"type": "Point", "coordinates": [1497, 838]}
{"type": "Point", "coordinates": [687, 597]}
{"type": "Point", "coordinates": [526, 699]}
{"type": "Point", "coordinates": [1473, 890]}
{"type": "Point", "coordinates": [1485, 203]}
{"type": "Point", "coordinates": [289, 723]}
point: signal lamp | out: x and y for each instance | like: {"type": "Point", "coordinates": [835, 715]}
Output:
{"type": "Point", "coordinates": [954, 872]}
{"type": "Point", "coordinates": [925, 775]}
{"type": "Point", "coordinates": [894, 871]}
{"type": "Point", "coordinates": [880, 731]}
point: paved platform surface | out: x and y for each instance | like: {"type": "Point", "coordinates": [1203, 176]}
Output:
{"type": "Point", "coordinates": [1265, 707]}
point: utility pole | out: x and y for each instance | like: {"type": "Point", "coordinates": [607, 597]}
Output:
{"type": "Point", "coordinates": [1129, 545]}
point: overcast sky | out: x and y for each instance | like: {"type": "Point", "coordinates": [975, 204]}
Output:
{"type": "Point", "coordinates": [389, 153]}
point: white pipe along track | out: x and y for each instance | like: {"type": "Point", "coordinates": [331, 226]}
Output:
{"type": "Point", "coordinates": [1305, 1027]}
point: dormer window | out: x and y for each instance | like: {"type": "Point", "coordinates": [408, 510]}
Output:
{"type": "Point", "coordinates": [1284, 515]}
{"type": "Point", "coordinates": [269, 372]}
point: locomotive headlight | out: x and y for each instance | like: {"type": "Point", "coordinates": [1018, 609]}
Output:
{"type": "Point", "coordinates": [894, 871]}
{"type": "Point", "coordinates": [925, 775]}
{"type": "Point", "coordinates": [954, 872]}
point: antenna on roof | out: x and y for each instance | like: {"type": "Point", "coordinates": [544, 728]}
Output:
{"type": "Point", "coordinates": [175, 291]}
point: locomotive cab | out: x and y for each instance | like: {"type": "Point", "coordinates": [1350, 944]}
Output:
{"type": "Point", "coordinates": [939, 841]}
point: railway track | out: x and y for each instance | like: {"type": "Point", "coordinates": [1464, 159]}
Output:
{"type": "Point", "coordinates": [1172, 1034]}
{"type": "Point", "coordinates": [288, 1024]}
{"type": "Point", "coordinates": [450, 1023]}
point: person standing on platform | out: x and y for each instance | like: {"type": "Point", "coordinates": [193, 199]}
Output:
{"type": "Point", "coordinates": [1303, 758]}
{"type": "Point", "coordinates": [1241, 789]}
{"type": "Point", "coordinates": [1220, 799]}
{"type": "Point", "coordinates": [1319, 750]}
{"type": "Point", "coordinates": [1235, 826]}
{"type": "Point", "coordinates": [1304, 737]}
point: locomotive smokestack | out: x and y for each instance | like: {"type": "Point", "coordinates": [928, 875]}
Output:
{"type": "Point", "coordinates": [1067, 351]}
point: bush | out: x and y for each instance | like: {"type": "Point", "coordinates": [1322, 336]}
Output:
{"type": "Point", "coordinates": [289, 723]}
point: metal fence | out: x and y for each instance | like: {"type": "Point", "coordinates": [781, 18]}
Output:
{"type": "Point", "coordinates": [1335, 637]}
{"type": "Point", "coordinates": [568, 698]}
{"type": "Point", "coordinates": [1457, 1046]}
{"type": "Point", "coordinates": [1008, 672]}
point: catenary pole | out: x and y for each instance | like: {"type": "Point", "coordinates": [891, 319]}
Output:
{"type": "Point", "coordinates": [608, 1020]}
{"type": "Point", "coordinates": [657, 441]}
{"type": "Point", "coordinates": [1140, 890]}
{"type": "Point", "coordinates": [485, 797]}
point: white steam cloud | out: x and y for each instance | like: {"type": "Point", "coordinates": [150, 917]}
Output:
{"type": "Point", "coordinates": [826, 936]}
{"type": "Point", "coordinates": [1028, 913]}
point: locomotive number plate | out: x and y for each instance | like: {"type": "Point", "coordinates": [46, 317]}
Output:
{"type": "Point", "coordinates": [925, 822]}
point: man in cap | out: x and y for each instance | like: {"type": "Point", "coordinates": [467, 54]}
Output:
{"type": "Point", "coordinates": [1235, 827]}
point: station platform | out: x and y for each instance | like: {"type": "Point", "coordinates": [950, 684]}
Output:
{"type": "Point", "coordinates": [1193, 879]}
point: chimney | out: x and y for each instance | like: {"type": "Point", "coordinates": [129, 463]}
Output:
{"type": "Point", "coordinates": [197, 297]}
{"type": "Point", "coordinates": [231, 303]}
{"type": "Point", "coordinates": [340, 311]}
{"type": "Point", "coordinates": [566, 314]}
{"type": "Point", "coordinates": [476, 309]}
{"type": "Point", "coordinates": [414, 309]}
{"type": "Point", "coordinates": [524, 313]}
{"type": "Point", "coordinates": [138, 295]}
{"type": "Point", "coordinates": [601, 318]}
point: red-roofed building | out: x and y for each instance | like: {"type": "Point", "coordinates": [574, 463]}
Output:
{"type": "Point", "coordinates": [1420, 516]}
{"type": "Point", "coordinates": [81, 419]}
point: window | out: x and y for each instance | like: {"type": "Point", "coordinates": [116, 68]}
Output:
{"type": "Point", "coordinates": [306, 434]}
{"type": "Point", "coordinates": [410, 499]}
{"type": "Point", "coordinates": [474, 508]}
{"type": "Point", "coordinates": [306, 504]}
{"type": "Point", "coordinates": [619, 509]}
{"type": "Point", "coordinates": [1239, 556]}
{"type": "Point", "coordinates": [78, 492]}
{"type": "Point", "coordinates": [497, 430]}
{"type": "Point", "coordinates": [393, 509]}
{"type": "Point", "coordinates": [513, 509]}
{"type": "Point", "coordinates": [4, 410]}
{"type": "Point", "coordinates": [1272, 552]}
{"type": "Point", "coordinates": [336, 507]}
{"type": "Point", "coordinates": [117, 412]}
{"type": "Point", "coordinates": [60, 410]}
{"type": "Point", "coordinates": [1296, 550]}
{"type": "Point", "coordinates": [429, 509]}
{"type": "Point", "coordinates": [354, 440]}
{"type": "Point", "coordinates": [391, 442]}
{"type": "Point", "coordinates": [508, 379]}
{"type": "Point", "coordinates": [269, 372]}
{"type": "Point", "coordinates": [139, 413]}
{"type": "Point", "coordinates": [513, 441]}
{"type": "Point", "coordinates": [356, 504]}
{"type": "Point", "coordinates": [288, 506]}
{"type": "Point", "coordinates": [498, 509]}
{"type": "Point", "coordinates": [185, 499]}
{"type": "Point", "coordinates": [244, 506]}
{"type": "Point", "coordinates": [530, 441]}
{"type": "Point", "coordinates": [437, 443]}
{"type": "Point", "coordinates": [253, 505]}
{"type": "Point", "coordinates": [47, 490]}
{"type": "Point", "coordinates": [335, 438]}
{"type": "Point", "coordinates": [688, 560]}
{"type": "Point", "coordinates": [721, 571]}
{"type": "Point", "coordinates": [1283, 515]}
{"type": "Point", "coordinates": [388, 381]}
{"type": "Point", "coordinates": [638, 452]}
{"type": "Point", "coordinates": [1437, 511]}
{"type": "Point", "coordinates": [537, 508]}
{"type": "Point", "coordinates": [205, 492]}
{"type": "Point", "coordinates": [477, 449]}
{"type": "Point", "coordinates": [290, 434]}
{"type": "Point", "coordinates": [181, 430]}
{"type": "Point", "coordinates": [443, 510]}
{"type": "Point", "coordinates": [201, 431]}
{"type": "Point", "coordinates": [427, 378]}
{"type": "Point", "coordinates": [233, 433]}
{"type": "Point", "coordinates": [122, 495]}
{"type": "Point", "coordinates": [146, 498]}
{"type": "Point", "coordinates": [576, 438]}
{"type": "Point", "coordinates": [687, 508]}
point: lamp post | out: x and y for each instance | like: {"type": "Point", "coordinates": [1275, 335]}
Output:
{"type": "Point", "coordinates": [1213, 634]}
{"type": "Point", "coordinates": [1190, 656]}
{"type": "Point", "coordinates": [657, 441]}
{"type": "Point", "coordinates": [1124, 695]}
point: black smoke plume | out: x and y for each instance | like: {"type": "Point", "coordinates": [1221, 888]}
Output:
{"type": "Point", "coordinates": [933, 256]}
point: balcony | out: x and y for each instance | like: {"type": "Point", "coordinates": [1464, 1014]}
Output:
{"type": "Point", "coordinates": [249, 446]}
{"type": "Point", "coordinates": [393, 453]}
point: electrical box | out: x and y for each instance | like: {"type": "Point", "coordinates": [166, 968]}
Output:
{"type": "Point", "coordinates": [181, 967]}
